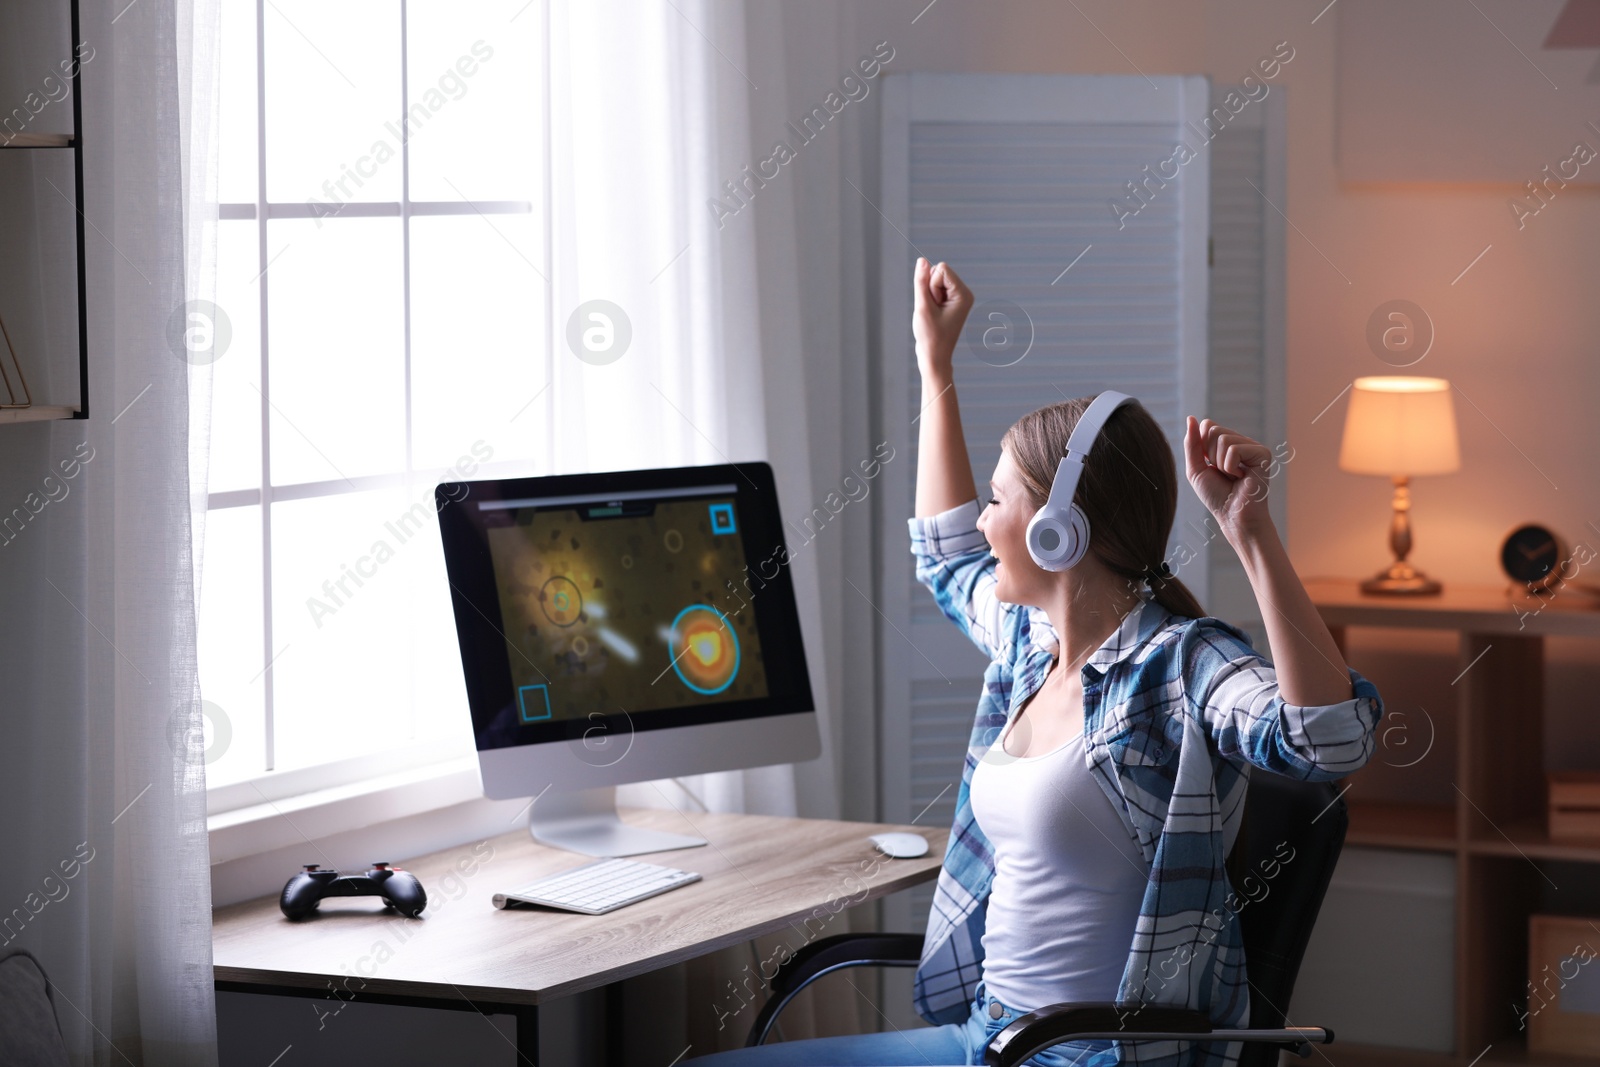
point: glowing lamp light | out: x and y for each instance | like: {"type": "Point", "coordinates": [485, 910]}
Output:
{"type": "Point", "coordinates": [1399, 426]}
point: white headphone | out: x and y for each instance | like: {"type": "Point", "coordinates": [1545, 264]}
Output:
{"type": "Point", "coordinates": [1058, 533]}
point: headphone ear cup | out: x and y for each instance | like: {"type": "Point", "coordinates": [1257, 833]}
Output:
{"type": "Point", "coordinates": [1058, 540]}
{"type": "Point", "coordinates": [1077, 537]}
{"type": "Point", "coordinates": [1045, 537]}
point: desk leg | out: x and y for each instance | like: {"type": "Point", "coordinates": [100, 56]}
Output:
{"type": "Point", "coordinates": [528, 1034]}
{"type": "Point", "coordinates": [616, 1031]}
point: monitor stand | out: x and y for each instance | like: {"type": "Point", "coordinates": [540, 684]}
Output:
{"type": "Point", "coordinates": [586, 821]}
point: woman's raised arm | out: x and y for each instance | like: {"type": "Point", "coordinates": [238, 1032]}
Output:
{"type": "Point", "coordinates": [944, 470]}
{"type": "Point", "coordinates": [1229, 472]}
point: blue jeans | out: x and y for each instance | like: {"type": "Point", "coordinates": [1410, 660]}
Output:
{"type": "Point", "coordinates": [936, 1046]}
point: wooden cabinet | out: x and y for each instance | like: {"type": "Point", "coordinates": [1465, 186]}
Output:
{"type": "Point", "coordinates": [1507, 867]}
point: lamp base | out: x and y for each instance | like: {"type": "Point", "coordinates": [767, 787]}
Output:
{"type": "Point", "coordinates": [1403, 579]}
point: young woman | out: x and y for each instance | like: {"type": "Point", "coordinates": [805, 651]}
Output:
{"type": "Point", "coordinates": [1118, 725]}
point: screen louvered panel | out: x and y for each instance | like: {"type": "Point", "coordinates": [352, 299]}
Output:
{"type": "Point", "coordinates": [1245, 319]}
{"type": "Point", "coordinates": [1012, 180]}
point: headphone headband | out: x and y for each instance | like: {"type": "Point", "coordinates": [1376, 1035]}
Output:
{"type": "Point", "coordinates": [1093, 420]}
{"type": "Point", "coordinates": [1065, 484]}
{"type": "Point", "coordinates": [1058, 534]}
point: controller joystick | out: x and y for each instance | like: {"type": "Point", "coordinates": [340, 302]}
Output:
{"type": "Point", "coordinates": [399, 889]}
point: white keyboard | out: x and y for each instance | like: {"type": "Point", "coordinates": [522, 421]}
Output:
{"type": "Point", "coordinates": [598, 887]}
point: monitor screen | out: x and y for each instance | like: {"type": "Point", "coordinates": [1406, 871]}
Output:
{"type": "Point", "coordinates": [623, 601]}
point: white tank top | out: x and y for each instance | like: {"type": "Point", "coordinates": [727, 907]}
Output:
{"type": "Point", "coordinates": [1068, 879]}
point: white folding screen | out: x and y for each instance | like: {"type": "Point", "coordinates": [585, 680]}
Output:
{"type": "Point", "coordinates": [1065, 204]}
{"type": "Point", "coordinates": [1247, 387]}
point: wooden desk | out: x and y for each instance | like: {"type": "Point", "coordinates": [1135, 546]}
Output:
{"type": "Point", "coordinates": [759, 874]}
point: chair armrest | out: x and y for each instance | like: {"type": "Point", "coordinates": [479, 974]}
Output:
{"type": "Point", "coordinates": [1036, 1031]}
{"type": "Point", "coordinates": [828, 955]}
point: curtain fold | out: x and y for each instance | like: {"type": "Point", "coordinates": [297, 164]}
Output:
{"type": "Point", "coordinates": [635, 160]}
{"type": "Point", "coordinates": [102, 775]}
{"type": "Point", "coordinates": [653, 116]}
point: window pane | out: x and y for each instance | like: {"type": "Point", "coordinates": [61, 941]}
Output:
{"type": "Point", "coordinates": [333, 100]}
{"type": "Point", "coordinates": [474, 85]}
{"type": "Point", "coordinates": [236, 75]}
{"type": "Point", "coordinates": [363, 630]}
{"type": "Point", "coordinates": [236, 374]}
{"type": "Point", "coordinates": [438, 690]}
{"type": "Point", "coordinates": [336, 349]}
{"type": "Point", "coordinates": [231, 653]}
{"type": "Point", "coordinates": [477, 337]}
{"type": "Point", "coordinates": [360, 598]}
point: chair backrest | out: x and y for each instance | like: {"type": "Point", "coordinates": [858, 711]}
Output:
{"type": "Point", "coordinates": [1292, 837]}
{"type": "Point", "coordinates": [30, 1035]}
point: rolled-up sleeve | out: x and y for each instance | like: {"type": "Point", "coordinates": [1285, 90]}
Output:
{"type": "Point", "coordinates": [954, 562]}
{"type": "Point", "coordinates": [1235, 691]}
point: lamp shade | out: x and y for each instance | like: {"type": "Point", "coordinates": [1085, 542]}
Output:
{"type": "Point", "coordinates": [1398, 424]}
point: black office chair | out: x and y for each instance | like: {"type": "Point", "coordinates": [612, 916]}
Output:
{"type": "Point", "coordinates": [1310, 816]}
{"type": "Point", "coordinates": [30, 1033]}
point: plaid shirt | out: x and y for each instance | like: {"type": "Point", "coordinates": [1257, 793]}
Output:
{"type": "Point", "coordinates": [1176, 712]}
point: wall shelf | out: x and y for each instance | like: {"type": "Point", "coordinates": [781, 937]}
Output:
{"type": "Point", "coordinates": [38, 413]}
{"type": "Point", "coordinates": [1495, 827]}
{"type": "Point", "coordinates": [45, 348]}
{"type": "Point", "coordinates": [1388, 824]}
{"type": "Point", "coordinates": [1530, 839]}
{"type": "Point", "coordinates": [39, 140]}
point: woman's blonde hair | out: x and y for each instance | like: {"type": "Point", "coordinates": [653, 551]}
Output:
{"type": "Point", "coordinates": [1128, 490]}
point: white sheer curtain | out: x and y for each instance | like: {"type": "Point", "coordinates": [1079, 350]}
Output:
{"type": "Point", "coordinates": [651, 113]}
{"type": "Point", "coordinates": [102, 784]}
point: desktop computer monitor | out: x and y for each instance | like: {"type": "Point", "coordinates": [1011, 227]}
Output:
{"type": "Point", "coordinates": [622, 627]}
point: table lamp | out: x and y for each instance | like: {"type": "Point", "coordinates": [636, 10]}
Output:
{"type": "Point", "coordinates": [1400, 426]}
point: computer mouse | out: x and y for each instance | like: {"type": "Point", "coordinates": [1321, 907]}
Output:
{"type": "Point", "coordinates": [902, 846]}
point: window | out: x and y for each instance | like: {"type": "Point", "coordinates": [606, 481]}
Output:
{"type": "Point", "coordinates": [382, 258]}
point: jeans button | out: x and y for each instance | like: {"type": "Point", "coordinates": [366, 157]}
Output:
{"type": "Point", "coordinates": [995, 1010]}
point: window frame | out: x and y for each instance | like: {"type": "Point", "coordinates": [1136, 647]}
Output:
{"type": "Point", "coordinates": [351, 784]}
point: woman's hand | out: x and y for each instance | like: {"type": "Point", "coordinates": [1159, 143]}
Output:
{"type": "Point", "coordinates": [941, 306]}
{"type": "Point", "coordinates": [1229, 472]}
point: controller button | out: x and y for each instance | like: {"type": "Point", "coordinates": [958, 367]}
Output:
{"type": "Point", "coordinates": [312, 866]}
{"type": "Point", "coordinates": [380, 866]}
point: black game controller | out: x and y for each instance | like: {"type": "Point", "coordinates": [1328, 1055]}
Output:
{"type": "Point", "coordinates": [399, 889]}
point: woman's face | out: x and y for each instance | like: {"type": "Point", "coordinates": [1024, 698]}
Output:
{"type": "Point", "coordinates": [1004, 524]}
